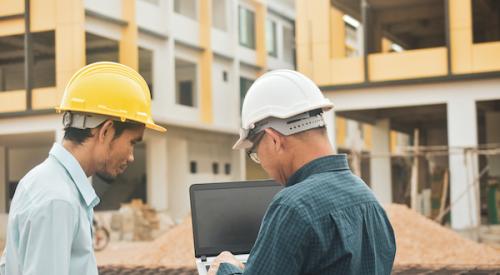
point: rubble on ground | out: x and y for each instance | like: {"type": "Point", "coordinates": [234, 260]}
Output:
{"type": "Point", "coordinates": [136, 221]}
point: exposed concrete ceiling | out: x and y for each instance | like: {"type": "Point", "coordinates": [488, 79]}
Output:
{"type": "Point", "coordinates": [404, 119]}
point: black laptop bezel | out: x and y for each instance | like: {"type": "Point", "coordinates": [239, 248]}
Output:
{"type": "Point", "coordinates": [213, 251]}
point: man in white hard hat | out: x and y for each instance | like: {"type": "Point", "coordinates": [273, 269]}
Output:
{"type": "Point", "coordinates": [326, 220]}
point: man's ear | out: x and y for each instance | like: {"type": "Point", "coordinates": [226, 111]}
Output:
{"type": "Point", "coordinates": [277, 139]}
{"type": "Point", "coordinates": [105, 131]}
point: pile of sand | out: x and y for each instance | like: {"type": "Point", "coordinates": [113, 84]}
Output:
{"type": "Point", "coordinates": [174, 249]}
{"type": "Point", "coordinates": [420, 241]}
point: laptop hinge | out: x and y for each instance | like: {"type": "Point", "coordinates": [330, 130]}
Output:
{"type": "Point", "coordinates": [203, 258]}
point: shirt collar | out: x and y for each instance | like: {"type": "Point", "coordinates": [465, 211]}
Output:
{"type": "Point", "coordinates": [319, 165]}
{"type": "Point", "coordinates": [76, 172]}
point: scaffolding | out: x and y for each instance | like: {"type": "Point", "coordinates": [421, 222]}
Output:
{"type": "Point", "coordinates": [421, 178]}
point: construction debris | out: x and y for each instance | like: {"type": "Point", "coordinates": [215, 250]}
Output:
{"type": "Point", "coordinates": [420, 242]}
{"type": "Point", "coordinates": [135, 221]}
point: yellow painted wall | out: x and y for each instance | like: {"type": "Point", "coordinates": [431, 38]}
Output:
{"type": "Point", "coordinates": [12, 101]}
{"type": "Point", "coordinates": [321, 50]}
{"type": "Point", "coordinates": [460, 13]}
{"type": "Point", "coordinates": [303, 37]}
{"type": "Point", "coordinates": [393, 138]}
{"type": "Point", "coordinates": [337, 33]}
{"type": "Point", "coordinates": [129, 52]}
{"type": "Point", "coordinates": [43, 15]}
{"type": "Point", "coordinates": [12, 26]}
{"type": "Point", "coordinates": [206, 60]}
{"type": "Point", "coordinates": [320, 43]}
{"type": "Point", "coordinates": [319, 15]}
{"type": "Point", "coordinates": [408, 64]}
{"type": "Point", "coordinates": [45, 98]}
{"type": "Point", "coordinates": [367, 137]}
{"type": "Point", "coordinates": [347, 70]}
{"type": "Point", "coordinates": [70, 41]}
{"type": "Point", "coordinates": [260, 33]}
{"type": "Point", "coordinates": [486, 57]}
{"type": "Point", "coordinates": [11, 7]}
{"type": "Point", "coordinates": [340, 131]}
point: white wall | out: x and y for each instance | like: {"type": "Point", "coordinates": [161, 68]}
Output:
{"type": "Point", "coordinates": [186, 30]}
{"type": "Point", "coordinates": [224, 98]}
{"type": "Point", "coordinates": [187, 8]}
{"type": "Point", "coordinates": [111, 8]}
{"type": "Point", "coordinates": [205, 148]}
{"type": "Point", "coordinates": [153, 17]}
{"type": "Point", "coordinates": [220, 14]}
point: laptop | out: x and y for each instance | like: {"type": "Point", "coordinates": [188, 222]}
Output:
{"type": "Point", "coordinates": [227, 217]}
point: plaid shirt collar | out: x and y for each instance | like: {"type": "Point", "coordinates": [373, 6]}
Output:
{"type": "Point", "coordinates": [319, 165]}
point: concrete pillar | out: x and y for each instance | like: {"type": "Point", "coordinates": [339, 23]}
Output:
{"type": "Point", "coordinates": [179, 177]}
{"type": "Point", "coordinates": [59, 135]}
{"type": "Point", "coordinates": [330, 128]}
{"type": "Point", "coordinates": [157, 168]}
{"type": "Point", "coordinates": [3, 183]}
{"type": "Point", "coordinates": [462, 132]}
{"type": "Point", "coordinates": [238, 162]}
{"type": "Point", "coordinates": [380, 166]}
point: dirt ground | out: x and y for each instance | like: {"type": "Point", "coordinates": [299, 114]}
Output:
{"type": "Point", "coordinates": [420, 242]}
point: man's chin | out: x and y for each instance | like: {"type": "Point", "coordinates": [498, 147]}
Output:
{"type": "Point", "coordinates": [106, 177]}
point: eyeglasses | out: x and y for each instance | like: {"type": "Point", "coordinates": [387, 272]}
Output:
{"type": "Point", "coordinates": [252, 152]}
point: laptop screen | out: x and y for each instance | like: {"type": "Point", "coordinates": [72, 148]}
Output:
{"type": "Point", "coordinates": [227, 216]}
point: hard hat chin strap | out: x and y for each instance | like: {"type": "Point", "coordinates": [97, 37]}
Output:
{"type": "Point", "coordinates": [82, 121]}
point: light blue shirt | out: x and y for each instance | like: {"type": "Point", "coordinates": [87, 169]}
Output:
{"type": "Point", "coordinates": [50, 219]}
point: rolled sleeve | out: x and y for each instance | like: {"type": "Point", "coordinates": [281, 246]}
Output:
{"type": "Point", "coordinates": [46, 239]}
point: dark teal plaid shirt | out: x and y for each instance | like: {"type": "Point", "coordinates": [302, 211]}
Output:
{"type": "Point", "coordinates": [326, 221]}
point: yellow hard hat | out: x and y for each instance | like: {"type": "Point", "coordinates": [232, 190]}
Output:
{"type": "Point", "coordinates": [110, 89]}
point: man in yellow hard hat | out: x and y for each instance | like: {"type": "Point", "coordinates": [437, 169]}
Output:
{"type": "Point", "coordinates": [106, 108]}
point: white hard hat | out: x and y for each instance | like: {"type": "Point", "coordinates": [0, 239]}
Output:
{"type": "Point", "coordinates": [278, 94]}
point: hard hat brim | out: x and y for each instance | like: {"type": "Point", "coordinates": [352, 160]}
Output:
{"type": "Point", "coordinates": [242, 143]}
{"type": "Point", "coordinates": [151, 126]}
{"type": "Point", "coordinates": [156, 128]}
